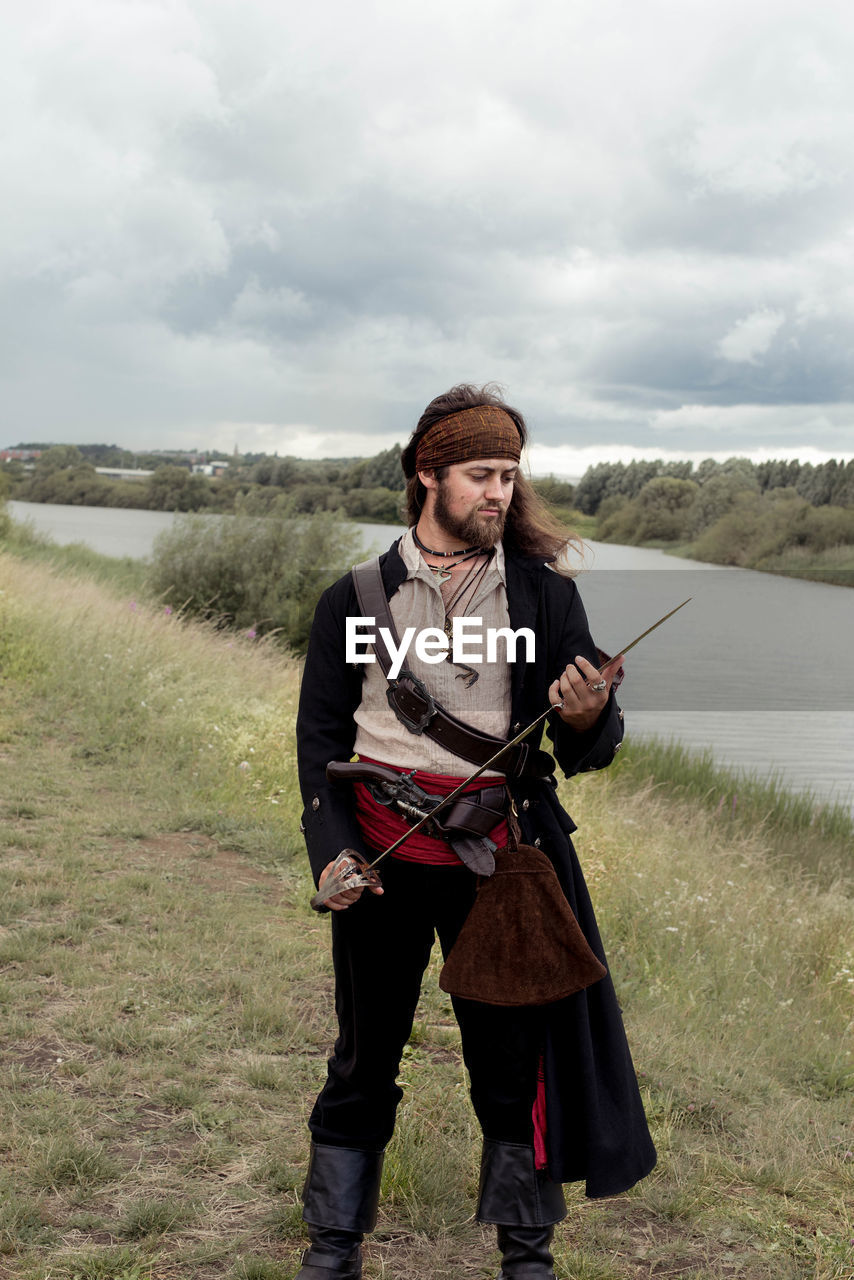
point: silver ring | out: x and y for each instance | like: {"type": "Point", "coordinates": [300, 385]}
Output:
{"type": "Point", "coordinates": [598, 686]}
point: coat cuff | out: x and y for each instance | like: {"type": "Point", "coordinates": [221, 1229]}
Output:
{"type": "Point", "coordinates": [593, 749]}
{"type": "Point", "coordinates": [329, 825]}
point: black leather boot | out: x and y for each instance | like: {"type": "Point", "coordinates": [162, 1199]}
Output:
{"type": "Point", "coordinates": [340, 1200]}
{"type": "Point", "coordinates": [524, 1204]}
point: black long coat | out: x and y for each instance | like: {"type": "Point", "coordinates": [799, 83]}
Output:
{"type": "Point", "coordinates": [596, 1128]}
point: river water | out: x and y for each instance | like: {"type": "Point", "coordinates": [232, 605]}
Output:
{"type": "Point", "coordinates": [758, 668]}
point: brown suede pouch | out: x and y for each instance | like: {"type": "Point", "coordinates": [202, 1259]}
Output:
{"type": "Point", "coordinates": [521, 943]}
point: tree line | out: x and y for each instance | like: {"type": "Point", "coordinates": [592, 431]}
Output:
{"type": "Point", "coordinates": [368, 489]}
{"type": "Point", "coordinates": [361, 488]}
{"type": "Point", "coordinates": [828, 484]}
{"type": "Point", "coordinates": [788, 516]}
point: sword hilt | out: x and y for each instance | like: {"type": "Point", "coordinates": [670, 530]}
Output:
{"type": "Point", "coordinates": [349, 871]}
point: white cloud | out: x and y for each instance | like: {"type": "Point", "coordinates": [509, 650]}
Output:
{"type": "Point", "coordinates": [750, 337]}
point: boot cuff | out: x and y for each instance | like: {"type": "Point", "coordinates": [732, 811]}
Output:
{"type": "Point", "coordinates": [342, 1189]}
{"type": "Point", "coordinates": [513, 1192]}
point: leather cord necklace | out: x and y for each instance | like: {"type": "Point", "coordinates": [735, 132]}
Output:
{"type": "Point", "coordinates": [442, 573]}
{"type": "Point", "coordinates": [445, 555]}
{"type": "Point", "coordinates": [468, 587]}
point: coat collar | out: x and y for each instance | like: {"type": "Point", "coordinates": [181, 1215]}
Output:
{"type": "Point", "coordinates": [522, 580]}
{"type": "Point", "coordinates": [523, 596]}
{"type": "Point", "coordinates": [393, 569]}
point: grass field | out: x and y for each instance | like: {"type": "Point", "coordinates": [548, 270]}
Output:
{"type": "Point", "coordinates": [166, 999]}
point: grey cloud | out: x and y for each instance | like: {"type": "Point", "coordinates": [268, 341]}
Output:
{"type": "Point", "coordinates": [238, 214]}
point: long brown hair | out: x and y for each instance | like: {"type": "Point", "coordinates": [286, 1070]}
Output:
{"type": "Point", "coordinates": [531, 529]}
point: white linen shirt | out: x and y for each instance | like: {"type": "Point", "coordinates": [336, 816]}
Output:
{"type": "Point", "coordinates": [485, 705]}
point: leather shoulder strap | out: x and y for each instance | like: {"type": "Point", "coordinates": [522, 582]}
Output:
{"type": "Point", "coordinates": [370, 593]}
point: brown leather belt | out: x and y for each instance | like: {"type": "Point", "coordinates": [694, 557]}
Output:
{"type": "Point", "coordinates": [414, 706]}
{"type": "Point", "coordinates": [475, 812]}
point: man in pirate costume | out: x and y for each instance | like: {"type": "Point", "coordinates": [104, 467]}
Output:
{"type": "Point", "coordinates": [552, 1084]}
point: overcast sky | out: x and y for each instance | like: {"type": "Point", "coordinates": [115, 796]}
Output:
{"type": "Point", "coordinates": [287, 226]}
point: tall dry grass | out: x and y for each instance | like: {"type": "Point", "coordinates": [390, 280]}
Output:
{"type": "Point", "coordinates": [165, 1005]}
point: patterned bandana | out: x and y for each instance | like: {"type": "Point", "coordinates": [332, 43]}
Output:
{"type": "Point", "coordinates": [485, 431]}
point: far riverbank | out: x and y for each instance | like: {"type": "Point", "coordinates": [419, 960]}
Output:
{"type": "Point", "coordinates": [738, 671]}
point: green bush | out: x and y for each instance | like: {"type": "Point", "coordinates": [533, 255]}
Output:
{"type": "Point", "coordinates": [380, 504]}
{"type": "Point", "coordinates": [730, 539]}
{"type": "Point", "coordinates": [825, 527]}
{"type": "Point", "coordinates": [620, 523]}
{"type": "Point", "coordinates": [304, 499]}
{"type": "Point", "coordinates": [383, 471]}
{"type": "Point", "coordinates": [557, 493]}
{"type": "Point", "coordinates": [661, 512]}
{"type": "Point", "coordinates": [260, 574]}
{"type": "Point", "coordinates": [758, 529]}
{"type": "Point", "coordinates": [177, 489]}
{"type": "Point", "coordinates": [718, 495]}
{"type": "Point", "coordinates": [663, 506]}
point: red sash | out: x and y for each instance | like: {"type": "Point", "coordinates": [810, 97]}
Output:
{"type": "Point", "coordinates": [382, 825]}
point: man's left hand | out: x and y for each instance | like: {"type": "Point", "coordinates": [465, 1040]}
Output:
{"type": "Point", "coordinates": [580, 694]}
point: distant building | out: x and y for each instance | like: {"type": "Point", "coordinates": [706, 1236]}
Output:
{"type": "Point", "coordinates": [217, 468]}
{"type": "Point", "coordinates": [124, 473]}
{"type": "Point", "coordinates": [20, 455]}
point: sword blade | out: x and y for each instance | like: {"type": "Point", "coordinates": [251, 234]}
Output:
{"type": "Point", "coordinates": [625, 649]}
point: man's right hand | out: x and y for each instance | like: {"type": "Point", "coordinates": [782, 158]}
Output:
{"type": "Point", "coordinates": [341, 901]}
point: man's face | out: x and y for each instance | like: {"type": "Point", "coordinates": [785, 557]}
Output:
{"type": "Point", "coordinates": [471, 500]}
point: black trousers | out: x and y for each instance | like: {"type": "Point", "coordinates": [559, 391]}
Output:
{"type": "Point", "coordinates": [380, 949]}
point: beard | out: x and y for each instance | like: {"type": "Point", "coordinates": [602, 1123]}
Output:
{"type": "Point", "coordinates": [474, 529]}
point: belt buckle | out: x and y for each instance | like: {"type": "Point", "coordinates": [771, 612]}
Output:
{"type": "Point", "coordinates": [413, 725]}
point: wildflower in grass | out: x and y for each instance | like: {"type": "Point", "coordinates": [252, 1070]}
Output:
{"type": "Point", "coordinates": [251, 634]}
{"type": "Point", "coordinates": [167, 609]}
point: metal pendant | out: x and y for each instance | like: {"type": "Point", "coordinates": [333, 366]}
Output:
{"type": "Point", "coordinates": [468, 675]}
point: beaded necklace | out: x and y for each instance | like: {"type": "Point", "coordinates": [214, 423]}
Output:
{"type": "Point", "coordinates": [440, 572]}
